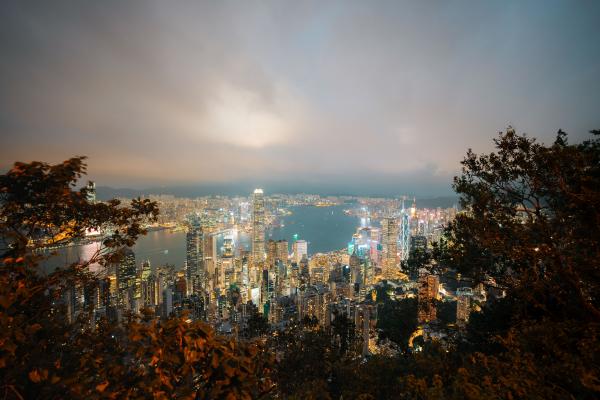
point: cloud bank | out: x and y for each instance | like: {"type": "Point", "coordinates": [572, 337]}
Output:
{"type": "Point", "coordinates": [346, 93]}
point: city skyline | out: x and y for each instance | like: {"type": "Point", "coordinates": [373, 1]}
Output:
{"type": "Point", "coordinates": [344, 95]}
{"type": "Point", "coordinates": [270, 199]}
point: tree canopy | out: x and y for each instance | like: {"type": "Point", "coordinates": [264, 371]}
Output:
{"type": "Point", "coordinates": [43, 355]}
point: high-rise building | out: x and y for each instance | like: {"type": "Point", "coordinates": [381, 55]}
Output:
{"type": "Point", "coordinates": [126, 277]}
{"type": "Point", "coordinates": [228, 247]}
{"type": "Point", "coordinates": [404, 233]}
{"type": "Point", "coordinates": [258, 226]}
{"type": "Point", "coordinates": [271, 252]}
{"type": "Point", "coordinates": [428, 293]}
{"type": "Point", "coordinates": [389, 236]}
{"type": "Point", "coordinates": [141, 277]}
{"type": "Point", "coordinates": [300, 249]}
{"type": "Point", "coordinates": [414, 218]}
{"type": "Point", "coordinates": [281, 251]}
{"type": "Point", "coordinates": [463, 309]}
{"type": "Point", "coordinates": [355, 268]}
{"type": "Point", "coordinates": [194, 254]}
{"type": "Point", "coordinates": [91, 192]}
{"type": "Point", "coordinates": [418, 243]}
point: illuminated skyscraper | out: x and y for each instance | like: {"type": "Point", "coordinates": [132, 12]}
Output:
{"type": "Point", "coordinates": [271, 252]}
{"type": "Point", "coordinates": [282, 251]}
{"type": "Point", "coordinates": [404, 234]}
{"type": "Point", "coordinates": [414, 218]}
{"type": "Point", "coordinates": [463, 309]}
{"type": "Point", "coordinates": [194, 254]}
{"type": "Point", "coordinates": [355, 268]}
{"type": "Point", "coordinates": [126, 278]}
{"type": "Point", "coordinates": [228, 247]}
{"type": "Point", "coordinates": [300, 248]}
{"type": "Point", "coordinates": [258, 226]}
{"type": "Point", "coordinates": [389, 235]}
{"type": "Point", "coordinates": [91, 192]}
{"type": "Point", "coordinates": [428, 293]}
{"type": "Point", "coordinates": [418, 243]}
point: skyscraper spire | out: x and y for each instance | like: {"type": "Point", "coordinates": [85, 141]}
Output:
{"type": "Point", "coordinates": [258, 226]}
{"type": "Point", "coordinates": [195, 254]}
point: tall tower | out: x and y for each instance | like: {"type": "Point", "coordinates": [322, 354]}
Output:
{"type": "Point", "coordinates": [428, 293]}
{"type": "Point", "coordinates": [404, 233]}
{"type": "Point", "coordinates": [282, 251]}
{"type": "Point", "coordinates": [354, 264]}
{"type": "Point", "coordinates": [389, 233]}
{"type": "Point", "coordinates": [300, 248]}
{"type": "Point", "coordinates": [414, 218]}
{"type": "Point", "coordinates": [91, 192]}
{"type": "Point", "coordinates": [258, 226]}
{"type": "Point", "coordinates": [271, 253]}
{"type": "Point", "coordinates": [126, 278]}
{"type": "Point", "coordinates": [194, 254]}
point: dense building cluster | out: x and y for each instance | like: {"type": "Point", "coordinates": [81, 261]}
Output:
{"type": "Point", "coordinates": [227, 283]}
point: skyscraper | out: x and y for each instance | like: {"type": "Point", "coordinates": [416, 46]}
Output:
{"type": "Point", "coordinates": [300, 248]}
{"type": "Point", "coordinates": [389, 234]}
{"type": "Point", "coordinates": [194, 254]}
{"type": "Point", "coordinates": [355, 270]}
{"type": "Point", "coordinates": [418, 243]}
{"type": "Point", "coordinates": [414, 218]}
{"type": "Point", "coordinates": [91, 192]}
{"type": "Point", "coordinates": [126, 278]}
{"type": "Point", "coordinates": [258, 226]}
{"type": "Point", "coordinates": [404, 233]}
{"type": "Point", "coordinates": [428, 292]}
{"type": "Point", "coordinates": [282, 251]}
{"type": "Point", "coordinates": [463, 309]}
{"type": "Point", "coordinates": [271, 252]}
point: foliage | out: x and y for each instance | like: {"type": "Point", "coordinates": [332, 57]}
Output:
{"type": "Point", "coordinates": [446, 312]}
{"type": "Point", "coordinates": [531, 225]}
{"type": "Point", "coordinates": [417, 259]}
{"type": "Point", "coordinates": [397, 320]}
{"type": "Point", "coordinates": [343, 331]}
{"type": "Point", "coordinates": [256, 325]}
{"type": "Point", "coordinates": [312, 362]}
{"type": "Point", "coordinates": [44, 355]}
{"type": "Point", "coordinates": [40, 207]}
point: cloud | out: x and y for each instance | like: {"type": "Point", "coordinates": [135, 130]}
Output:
{"type": "Point", "coordinates": [315, 93]}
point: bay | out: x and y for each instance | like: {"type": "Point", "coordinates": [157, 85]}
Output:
{"type": "Point", "coordinates": [324, 228]}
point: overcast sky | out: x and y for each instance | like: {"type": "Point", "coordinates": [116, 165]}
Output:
{"type": "Point", "coordinates": [349, 94]}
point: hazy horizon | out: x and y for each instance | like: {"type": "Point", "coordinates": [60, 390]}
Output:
{"type": "Point", "coordinates": [245, 190]}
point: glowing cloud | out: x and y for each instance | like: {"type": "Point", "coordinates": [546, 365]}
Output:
{"type": "Point", "coordinates": [241, 118]}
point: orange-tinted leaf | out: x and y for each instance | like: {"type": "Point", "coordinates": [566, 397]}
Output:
{"type": "Point", "coordinates": [102, 386]}
{"type": "Point", "coordinates": [35, 376]}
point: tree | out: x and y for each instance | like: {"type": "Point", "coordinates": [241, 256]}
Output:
{"type": "Point", "coordinates": [256, 325]}
{"type": "Point", "coordinates": [306, 360]}
{"type": "Point", "coordinates": [531, 225]}
{"type": "Point", "coordinates": [44, 355]}
{"type": "Point", "coordinates": [417, 259]}
{"type": "Point", "coordinates": [446, 311]}
{"type": "Point", "coordinates": [397, 320]}
{"type": "Point", "coordinates": [343, 331]}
